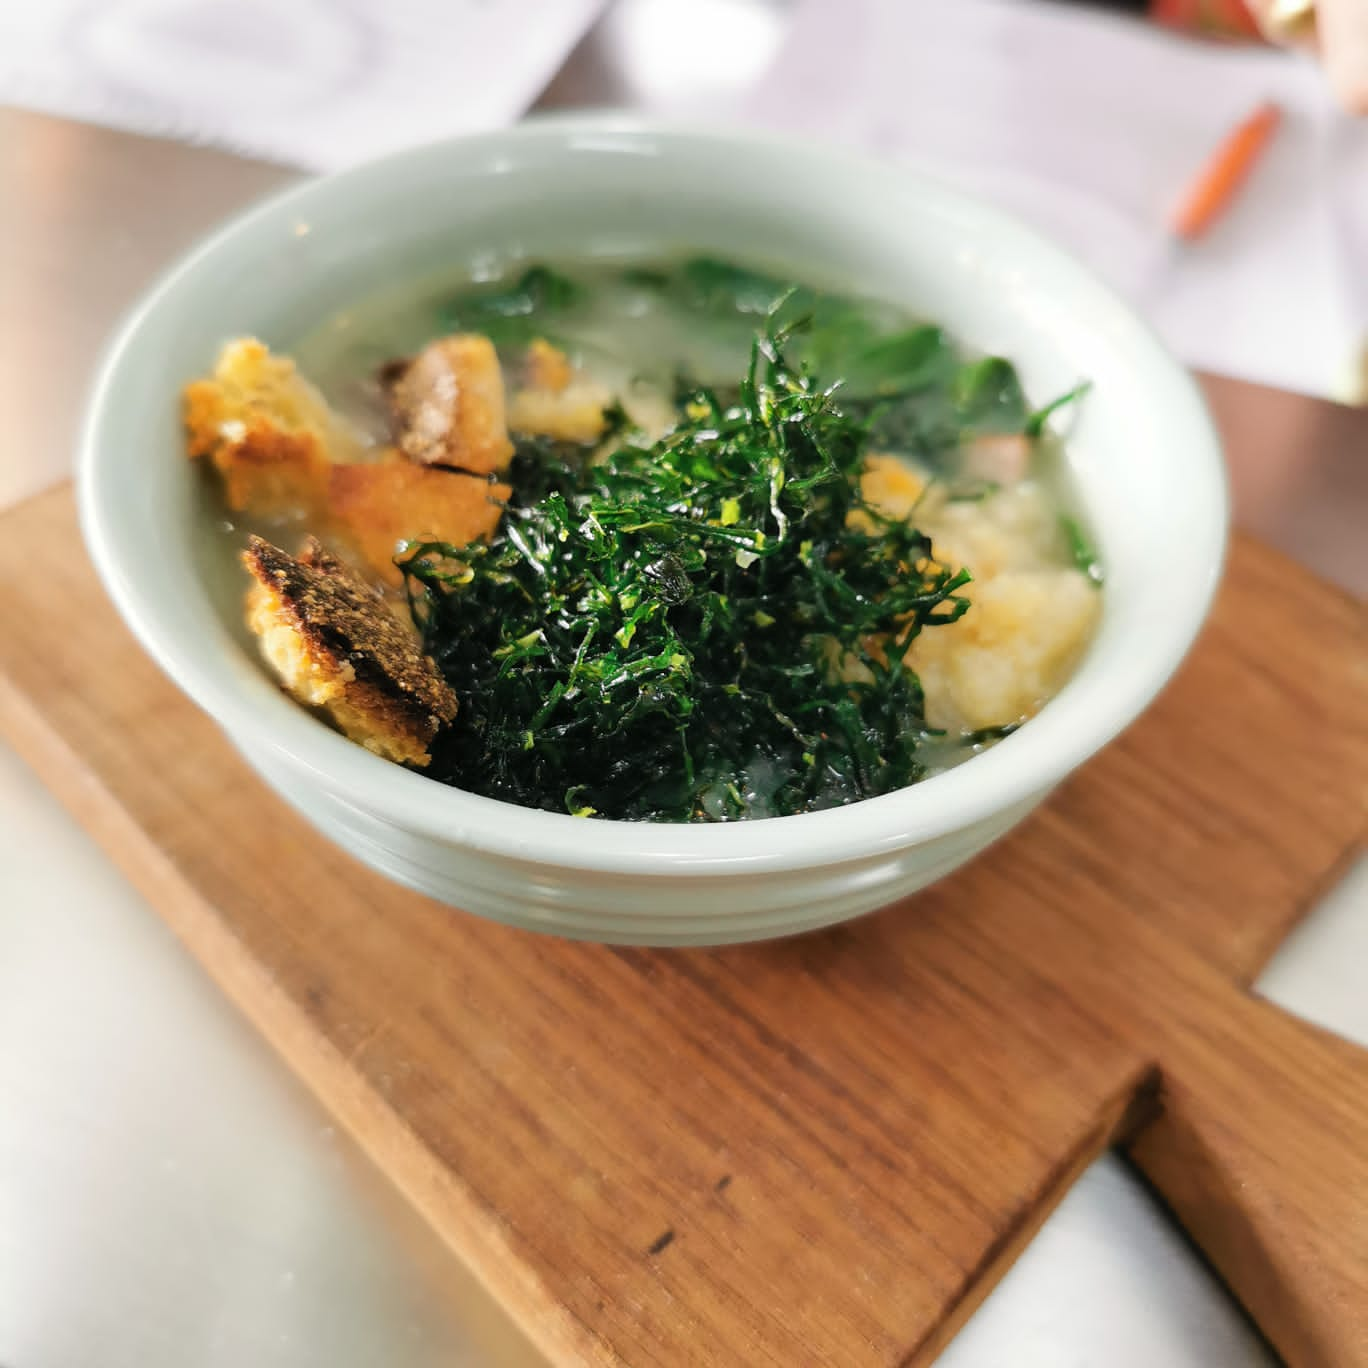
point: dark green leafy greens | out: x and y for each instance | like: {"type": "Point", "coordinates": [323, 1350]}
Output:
{"type": "Point", "coordinates": [987, 396]}
{"type": "Point", "coordinates": [516, 312]}
{"type": "Point", "coordinates": [725, 287]}
{"type": "Point", "coordinates": [691, 629]}
{"type": "Point", "coordinates": [696, 628]}
{"type": "Point", "coordinates": [921, 396]}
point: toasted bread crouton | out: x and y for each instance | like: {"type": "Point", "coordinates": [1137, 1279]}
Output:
{"type": "Point", "coordinates": [554, 400]}
{"type": "Point", "coordinates": [337, 646]}
{"type": "Point", "coordinates": [272, 474]}
{"type": "Point", "coordinates": [577, 414]}
{"type": "Point", "coordinates": [268, 432]}
{"type": "Point", "coordinates": [448, 406]}
{"type": "Point", "coordinates": [546, 367]}
{"type": "Point", "coordinates": [375, 507]}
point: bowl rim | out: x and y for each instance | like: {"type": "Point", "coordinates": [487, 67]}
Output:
{"type": "Point", "coordinates": [1021, 767]}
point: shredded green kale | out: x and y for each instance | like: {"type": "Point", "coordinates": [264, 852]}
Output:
{"type": "Point", "coordinates": [691, 629]}
{"type": "Point", "coordinates": [696, 628]}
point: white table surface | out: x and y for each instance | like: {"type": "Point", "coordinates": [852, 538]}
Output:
{"type": "Point", "coordinates": [169, 1195]}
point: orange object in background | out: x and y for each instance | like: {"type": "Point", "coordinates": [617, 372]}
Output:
{"type": "Point", "coordinates": [1221, 178]}
{"type": "Point", "coordinates": [1224, 18]}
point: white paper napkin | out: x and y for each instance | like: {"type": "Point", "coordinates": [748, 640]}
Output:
{"type": "Point", "coordinates": [1090, 126]}
{"type": "Point", "coordinates": [313, 83]}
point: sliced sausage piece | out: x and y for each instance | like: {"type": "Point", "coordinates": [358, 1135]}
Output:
{"type": "Point", "coordinates": [999, 459]}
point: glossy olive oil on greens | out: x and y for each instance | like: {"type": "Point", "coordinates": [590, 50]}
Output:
{"type": "Point", "coordinates": [693, 626]}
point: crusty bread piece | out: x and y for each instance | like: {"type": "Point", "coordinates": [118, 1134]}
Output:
{"type": "Point", "coordinates": [336, 645]}
{"type": "Point", "coordinates": [269, 433]}
{"type": "Point", "coordinates": [553, 399]}
{"type": "Point", "coordinates": [448, 406]}
{"type": "Point", "coordinates": [546, 367]}
{"type": "Point", "coordinates": [577, 414]}
{"type": "Point", "coordinates": [374, 507]}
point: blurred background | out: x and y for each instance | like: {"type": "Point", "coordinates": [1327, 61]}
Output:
{"type": "Point", "coordinates": [1090, 122]}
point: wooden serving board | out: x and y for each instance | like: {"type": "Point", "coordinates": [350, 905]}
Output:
{"type": "Point", "coordinates": [820, 1151]}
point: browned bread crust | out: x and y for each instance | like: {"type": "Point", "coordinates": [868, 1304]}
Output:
{"type": "Point", "coordinates": [448, 406]}
{"type": "Point", "coordinates": [375, 507]}
{"type": "Point", "coordinates": [337, 645]}
{"type": "Point", "coordinates": [267, 431]}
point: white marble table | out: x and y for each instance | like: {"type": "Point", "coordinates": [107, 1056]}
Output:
{"type": "Point", "coordinates": [169, 1195]}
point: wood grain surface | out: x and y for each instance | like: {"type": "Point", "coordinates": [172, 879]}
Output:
{"type": "Point", "coordinates": [820, 1151]}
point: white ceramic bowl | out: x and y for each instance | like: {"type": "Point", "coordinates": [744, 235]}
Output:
{"type": "Point", "coordinates": [1145, 457]}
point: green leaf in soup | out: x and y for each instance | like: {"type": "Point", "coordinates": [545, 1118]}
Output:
{"type": "Point", "coordinates": [921, 424]}
{"type": "Point", "coordinates": [645, 277]}
{"type": "Point", "coordinates": [840, 331]}
{"type": "Point", "coordinates": [717, 286]}
{"type": "Point", "coordinates": [913, 359]}
{"type": "Point", "coordinates": [538, 290]}
{"type": "Point", "coordinates": [1035, 424]}
{"type": "Point", "coordinates": [513, 312]}
{"type": "Point", "coordinates": [1081, 550]}
{"type": "Point", "coordinates": [988, 397]}
{"type": "Point", "coordinates": [906, 380]}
